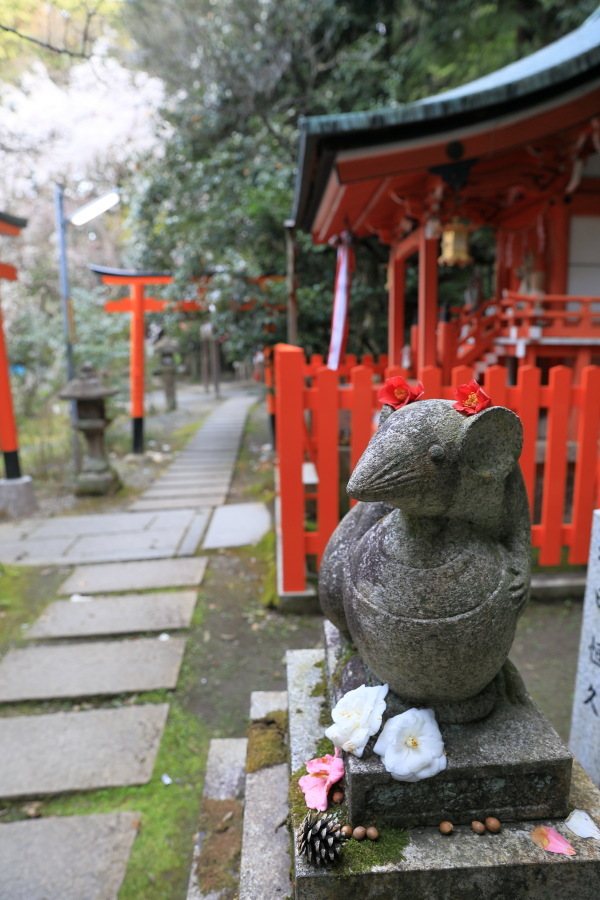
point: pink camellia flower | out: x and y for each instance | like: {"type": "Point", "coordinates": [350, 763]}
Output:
{"type": "Point", "coordinates": [549, 839]}
{"type": "Point", "coordinates": [471, 399]}
{"type": "Point", "coordinates": [397, 392]}
{"type": "Point", "coordinates": [323, 772]}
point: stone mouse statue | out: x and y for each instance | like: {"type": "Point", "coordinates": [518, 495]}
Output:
{"type": "Point", "coordinates": [429, 574]}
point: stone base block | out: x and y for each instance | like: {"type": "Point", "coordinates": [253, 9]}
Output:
{"type": "Point", "coordinates": [511, 764]}
{"type": "Point", "coordinates": [467, 866]}
{"type": "Point", "coordinates": [97, 484]}
{"type": "Point", "coordinates": [464, 866]}
{"type": "Point", "coordinates": [16, 497]}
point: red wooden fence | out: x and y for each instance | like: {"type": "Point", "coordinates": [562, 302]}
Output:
{"type": "Point", "coordinates": [308, 402]}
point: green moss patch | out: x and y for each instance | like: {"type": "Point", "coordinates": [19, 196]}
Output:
{"type": "Point", "coordinates": [267, 742]}
{"type": "Point", "coordinates": [24, 593]}
{"type": "Point", "coordinates": [360, 856]}
{"type": "Point", "coordinates": [217, 868]}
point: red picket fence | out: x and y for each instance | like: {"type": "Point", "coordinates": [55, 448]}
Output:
{"type": "Point", "coordinates": [562, 476]}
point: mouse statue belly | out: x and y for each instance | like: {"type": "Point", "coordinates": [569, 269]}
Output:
{"type": "Point", "coordinates": [432, 617]}
{"type": "Point", "coordinates": [430, 572]}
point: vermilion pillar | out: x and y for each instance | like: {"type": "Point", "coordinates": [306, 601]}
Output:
{"type": "Point", "coordinates": [428, 297]}
{"type": "Point", "coordinates": [137, 366]}
{"type": "Point", "coordinates": [8, 428]}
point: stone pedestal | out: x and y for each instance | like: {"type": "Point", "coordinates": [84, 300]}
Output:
{"type": "Point", "coordinates": [432, 866]}
{"type": "Point", "coordinates": [16, 497]}
{"type": "Point", "coordinates": [96, 476]}
{"type": "Point", "coordinates": [511, 764]}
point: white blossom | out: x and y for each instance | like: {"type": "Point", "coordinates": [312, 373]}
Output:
{"type": "Point", "coordinates": [411, 746]}
{"type": "Point", "coordinates": [357, 717]}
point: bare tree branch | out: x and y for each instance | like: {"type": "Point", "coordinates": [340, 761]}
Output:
{"type": "Point", "coordinates": [75, 54]}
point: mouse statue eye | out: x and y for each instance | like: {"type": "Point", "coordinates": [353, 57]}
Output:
{"type": "Point", "coordinates": [436, 452]}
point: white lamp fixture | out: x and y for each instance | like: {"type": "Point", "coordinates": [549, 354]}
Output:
{"type": "Point", "coordinates": [94, 208]}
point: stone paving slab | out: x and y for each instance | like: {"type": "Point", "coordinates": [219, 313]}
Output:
{"type": "Point", "coordinates": [194, 534]}
{"type": "Point", "coordinates": [66, 857]}
{"type": "Point", "coordinates": [192, 486]}
{"type": "Point", "coordinates": [111, 523]}
{"type": "Point", "coordinates": [264, 702]}
{"type": "Point", "coordinates": [225, 769]}
{"type": "Point", "coordinates": [79, 751]}
{"type": "Point", "coordinates": [177, 503]}
{"type": "Point", "coordinates": [196, 471]}
{"type": "Point", "coordinates": [115, 614]}
{"type": "Point", "coordinates": [225, 780]}
{"type": "Point", "coordinates": [33, 552]}
{"type": "Point", "coordinates": [265, 862]}
{"type": "Point", "coordinates": [199, 471]}
{"type": "Point", "coordinates": [90, 669]}
{"type": "Point", "coordinates": [237, 525]}
{"type": "Point", "coordinates": [192, 493]}
{"type": "Point", "coordinates": [118, 547]}
{"type": "Point", "coordinates": [135, 576]}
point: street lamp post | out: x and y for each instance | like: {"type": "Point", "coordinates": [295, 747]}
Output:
{"type": "Point", "coordinates": [83, 214]}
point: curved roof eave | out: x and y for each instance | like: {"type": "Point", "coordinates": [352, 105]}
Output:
{"type": "Point", "coordinates": [572, 60]}
{"type": "Point", "coordinates": [15, 221]}
{"type": "Point", "coordinates": [127, 273]}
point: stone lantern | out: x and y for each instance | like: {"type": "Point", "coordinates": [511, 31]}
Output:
{"type": "Point", "coordinates": [166, 348]}
{"type": "Point", "coordinates": [96, 476]}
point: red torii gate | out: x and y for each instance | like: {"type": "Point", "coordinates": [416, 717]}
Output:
{"type": "Point", "coordinates": [138, 304]}
{"type": "Point", "coordinates": [9, 225]}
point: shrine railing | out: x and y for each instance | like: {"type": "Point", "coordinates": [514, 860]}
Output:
{"type": "Point", "coordinates": [562, 476]}
{"type": "Point", "coordinates": [471, 333]}
{"type": "Point", "coordinates": [551, 315]}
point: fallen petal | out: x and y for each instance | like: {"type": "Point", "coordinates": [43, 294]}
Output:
{"type": "Point", "coordinates": [549, 839]}
{"type": "Point", "coordinates": [581, 824]}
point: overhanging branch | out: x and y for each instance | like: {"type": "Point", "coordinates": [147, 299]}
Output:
{"type": "Point", "coordinates": [75, 54]}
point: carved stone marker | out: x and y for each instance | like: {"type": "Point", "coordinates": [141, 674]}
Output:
{"type": "Point", "coordinates": [585, 724]}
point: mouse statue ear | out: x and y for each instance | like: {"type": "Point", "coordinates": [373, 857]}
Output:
{"type": "Point", "coordinates": [492, 442]}
{"type": "Point", "coordinates": [386, 411]}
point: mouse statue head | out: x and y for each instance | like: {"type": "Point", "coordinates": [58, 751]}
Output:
{"type": "Point", "coordinates": [429, 459]}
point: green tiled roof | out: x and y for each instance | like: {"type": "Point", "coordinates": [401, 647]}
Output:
{"type": "Point", "coordinates": [548, 73]}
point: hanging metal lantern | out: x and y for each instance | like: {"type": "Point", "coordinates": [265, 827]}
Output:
{"type": "Point", "coordinates": [455, 245]}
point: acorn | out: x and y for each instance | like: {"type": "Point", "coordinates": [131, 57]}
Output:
{"type": "Point", "coordinates": [338, 797]}
{"type": "Point", "coordinates": [446, 827]}
{"type": "Point", "coordinates": [346, 830]}
{"type": "Point", "coordinates": [372, 833]}
{"type": "Point", "coordinates": [359, 833]}
{"type": "Point", "coordinates": [478, 827]}
{"type": "Point", "coordinates": [493, 824]}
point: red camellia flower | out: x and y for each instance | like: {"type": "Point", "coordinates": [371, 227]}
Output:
{"type": "Point", "coordinates": [397, 392]}
{"type": "Point", "coordinates": [471, 399]}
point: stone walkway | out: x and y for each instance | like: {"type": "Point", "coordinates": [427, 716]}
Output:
{"type": "Point", "coordinates": [136, 572]}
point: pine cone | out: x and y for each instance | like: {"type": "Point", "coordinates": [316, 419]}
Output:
{"type": "Point", "coordinates": [319, 838]}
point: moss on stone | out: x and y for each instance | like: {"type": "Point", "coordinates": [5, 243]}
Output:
{"type": "Point", "coordinates": [267, 741]}
{"type": "Point", "coordinates": [345, 655]}
{"type": "Point", "coordinates": [320, 688]}
{"type": "Point", "coordinates": [357, 856]}
{"type": "Point", "coordinates": [360, 856]}
{"type": "Point", "coordinates": [217, 868]}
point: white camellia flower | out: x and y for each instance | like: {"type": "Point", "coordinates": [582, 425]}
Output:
{"type": "Point", "coordinates": [411, 746]}
{"type": "Point", "coordinates": [357, 717]}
